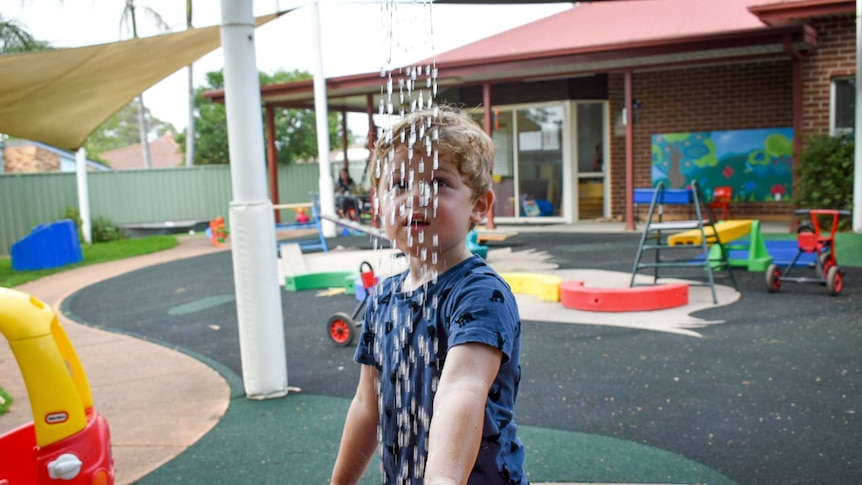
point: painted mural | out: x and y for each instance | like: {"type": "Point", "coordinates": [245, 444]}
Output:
{"type": "Point", "coordinates": [756, 164]}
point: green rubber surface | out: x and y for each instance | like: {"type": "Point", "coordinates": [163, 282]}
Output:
{"type": "Point", "coordinates": [317, 281]}
{"type": "Point", "coordinates": [300, 445]}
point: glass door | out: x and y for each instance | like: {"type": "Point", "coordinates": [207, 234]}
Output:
{"type": "Point", "coordinates": [504, 164]}
{"type": "Point", "coordinates": [528, 161]}
{"type": "Point", "coordinates": [590, 124]}
{"type": "Point", "coordinates": [539, 161]}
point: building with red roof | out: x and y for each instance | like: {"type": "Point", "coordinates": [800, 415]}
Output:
{"type": "Point", "coordinates": [591, 103]}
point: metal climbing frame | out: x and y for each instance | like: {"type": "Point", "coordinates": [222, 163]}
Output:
{"type": "Point", "coordinates": [690, 261]}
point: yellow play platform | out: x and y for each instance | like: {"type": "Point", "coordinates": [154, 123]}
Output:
{"type": "Point", "coordinates": [545, 286]}
{"type": "Point", "coordinates": [726, 230]}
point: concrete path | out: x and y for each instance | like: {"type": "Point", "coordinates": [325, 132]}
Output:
{"type": "Point", "coordinates": [158, 401]}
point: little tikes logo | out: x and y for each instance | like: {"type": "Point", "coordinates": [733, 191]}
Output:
{"type": "Point", "coordinates": [57, 417]}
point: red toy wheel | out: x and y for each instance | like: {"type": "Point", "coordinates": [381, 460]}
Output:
{"type": "Point", "coordinates": [773, 278]}
{"type": "Point", "coordinates": [834, 281]}
{"type": "Point", "coordinates": [340, 328]}
{"type": "Point", "coordinates": [825, 259]}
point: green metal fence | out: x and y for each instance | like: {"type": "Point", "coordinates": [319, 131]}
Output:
{"type": "Point", "coordinates": [133, 196]}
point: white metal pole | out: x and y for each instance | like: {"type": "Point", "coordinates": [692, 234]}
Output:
{"type": "Point", "coordinates": [252, 221]}
{"type": "Point", "coordinates": [190, 129]}
{"type": "Point", "coordinates": [83, 194]}
{"type": "Point", "coordinates": [857, 128]}
{"type": "Point", "coordinates": [321, 113]}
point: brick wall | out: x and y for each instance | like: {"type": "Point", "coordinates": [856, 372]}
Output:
{"type": "Point", "coordinates": [748, 95]}
{"type": "Point", "coordinates": [834, 57]}
{"type": "Point", "coordinates": [29, 159]}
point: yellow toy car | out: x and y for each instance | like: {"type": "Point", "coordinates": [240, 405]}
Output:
{"type": "Point", "coordinates": [68, 442]}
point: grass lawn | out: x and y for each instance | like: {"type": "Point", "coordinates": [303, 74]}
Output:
{"type": "Point", "coordinates": [93, 254]}
{"type": "Point", "coordinates": [5, 401]}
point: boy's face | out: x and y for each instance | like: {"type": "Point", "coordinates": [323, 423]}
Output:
{"type": "Point", "coordinates": [428, 211]}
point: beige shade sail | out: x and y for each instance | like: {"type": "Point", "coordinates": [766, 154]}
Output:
{"type": "Point", "coordinates": [60, 96]}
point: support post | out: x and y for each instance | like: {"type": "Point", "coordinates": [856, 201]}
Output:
{"type": "Point", "coordinates": [272, 158]}
{"type": "Point", "coordinates": [489, 128]}
{"type": "Point", "coordinates": [857, 127]}
{"type": "Point", "coordinates": [258, 298]}
{"type": "Point", "coordinates": [321, 115]}
{"type": "Point", "coordinates": [83, 194]}
{"type": "Point", "coordinates": [630, 172]}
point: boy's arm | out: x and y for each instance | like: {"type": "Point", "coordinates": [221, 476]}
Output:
{"type": "Point", "coordinates": [359, 438]}
{"type": "Point", "coordinates": [459, 412]}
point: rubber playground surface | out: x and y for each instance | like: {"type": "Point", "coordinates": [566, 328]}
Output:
{"type": "Point", "coordinates": [760, 389]}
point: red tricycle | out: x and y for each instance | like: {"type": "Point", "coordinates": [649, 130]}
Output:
{"type": "Point", "coordinates": [341, 327]}
{"type": "Point", "coordinates": [811, 239]}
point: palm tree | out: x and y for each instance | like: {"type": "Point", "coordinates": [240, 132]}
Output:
{"type": "Point", "coordinates": [129, 20]}
{"type": "Point", "coordinates": [15, 38]}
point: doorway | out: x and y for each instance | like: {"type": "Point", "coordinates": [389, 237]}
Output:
{"type": "Point", "coordinates": [591, 155]}
{"type": "Point", "coordinates": [528, 162]}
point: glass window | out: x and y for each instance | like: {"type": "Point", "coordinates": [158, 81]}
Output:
{"type": "Point", "coordinates": [590, 136]}
{"type": "Point", "coordinates": [528, 161]}
{"type": "Point", "coordinates": [591, 167]}
{"type": "Point", "coordinates": [843, 106]}
{"type": "Point", "coordinates": [540, 160]}
{"type": "Point", "coordinates": [504, 164]}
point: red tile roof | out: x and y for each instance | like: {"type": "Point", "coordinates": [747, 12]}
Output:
{"type": "Point", "coordinates": [589, 26]}
{"type": "Point", "coordinates": [164, 153]}
{"type": "Point", "coordinates": [599, 36]}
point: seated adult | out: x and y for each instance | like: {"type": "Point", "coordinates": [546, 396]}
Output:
{"type": "Point", "coordinates": [348, 206]}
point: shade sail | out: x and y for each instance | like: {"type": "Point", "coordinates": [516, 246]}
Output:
{"type": "Point", "coordinates": [60, 96]}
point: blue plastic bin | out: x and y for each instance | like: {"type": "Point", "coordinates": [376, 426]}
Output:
{"type": "Point", "coordinates": [47, 246]}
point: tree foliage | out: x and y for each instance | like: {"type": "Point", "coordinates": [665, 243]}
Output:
{"type": "Point", "coordinates": [122, 129]}
{"type": "Point", "coordinates": [15, 38]}
{"type": "Point", "coordinates": [295, 129]}
{"type": "Point", "coordinates": [825, 174]}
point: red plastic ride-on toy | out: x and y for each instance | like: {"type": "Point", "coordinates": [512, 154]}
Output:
{"type": "Point", "coordinates": [341, 327]}
{"type": "Point", "coordinates": [812, 240]}
{"type": "Point", "coordinates": [68, 442]}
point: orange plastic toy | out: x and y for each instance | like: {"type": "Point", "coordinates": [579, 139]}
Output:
{"type": "Point", "coordinates": [217, 231]}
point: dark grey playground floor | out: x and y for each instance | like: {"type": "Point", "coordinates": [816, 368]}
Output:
{"type": "Point", "coordinates": [771, 396]}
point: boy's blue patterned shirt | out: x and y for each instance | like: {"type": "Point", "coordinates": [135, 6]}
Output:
{"type": "Point", "coordinates": [407, 336]}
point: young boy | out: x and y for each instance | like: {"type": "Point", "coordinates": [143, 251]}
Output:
{"type": "Point", "coordinates": [440, 347]}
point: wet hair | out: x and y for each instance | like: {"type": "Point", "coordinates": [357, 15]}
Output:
{"type": "Point", "coordinates": [452, 133]}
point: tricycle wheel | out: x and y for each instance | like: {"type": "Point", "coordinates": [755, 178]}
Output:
{"type": "Point", "coordinates": [825, 260]}
{"type": "Point", "coordinates": [773, 278]}
{"type": "Point", "coordinates": [340, 328]}
{"type": "Point", "coordinates": [834, 281]}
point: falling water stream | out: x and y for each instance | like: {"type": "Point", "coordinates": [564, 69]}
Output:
{"type": "Point", "coordinates": [407, 33]}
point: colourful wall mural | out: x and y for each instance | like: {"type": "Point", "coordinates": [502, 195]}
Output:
{"type": "Point", "coordinates": [756, 164]}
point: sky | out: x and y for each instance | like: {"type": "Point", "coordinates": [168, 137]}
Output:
{"type": "Point", "coordinates": [354, 37]}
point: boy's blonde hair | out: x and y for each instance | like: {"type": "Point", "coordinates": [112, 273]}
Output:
{"type": "Point", "coordinates": [457, 136]}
